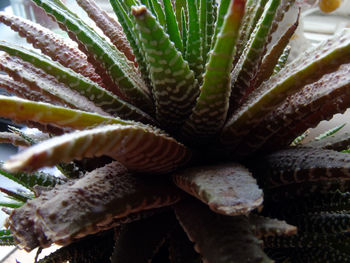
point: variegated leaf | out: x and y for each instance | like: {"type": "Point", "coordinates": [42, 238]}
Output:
{"type": "Point", "coordinates": [219, 239]}
{"type": "Point", "coordinates": [140, 148]}
{"type": "Point", "coordinates": [228, 189]}
{"type": "Point", "coordinates": [87, 205]}
{"type": "Point", "coordinates": [174, 86]}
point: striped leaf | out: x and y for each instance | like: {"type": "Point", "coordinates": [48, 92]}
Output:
{"type": "Point", "coordinates": [102, 98]}
{"type": "Point", "coordinates": [326, 58]}
{"type": "Point", "coordinates": [110, 27]}
{"type": "Point", "coordinates": [140, 148]}
{"type": "Point", "coordinates": [291, 166]}
{"type": "Point", "coordinates": [227, 189]}
{"type": "Point", "coordinates": [6, 238]}
{"type": "Point", "coordinates": [103, 55]}
{"type": "Point", "coordinates": [56, 47]}
{"type": "Point", "coordinates": [84, 207]}
{"type": "Point", "coordinates": [52, 90]}
{"type": "Point", "coordinates": [174, 85]}
{"type": "Point", "coordinates": [210, 112]}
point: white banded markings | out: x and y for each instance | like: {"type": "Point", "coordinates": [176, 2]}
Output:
{"type": "Point", "coordinates": [116, 141]}
{"type": "Point", "coordinates": [174, 84]}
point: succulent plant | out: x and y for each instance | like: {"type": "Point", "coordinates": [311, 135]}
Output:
{"type": "Point", "coordinates": [176, 133]}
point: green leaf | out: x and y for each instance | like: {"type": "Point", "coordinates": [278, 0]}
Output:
{"type": "Point", "coordinates": [227, 189]}
{"type": "Point", "coordinates": [56, 47]}
{"type": "Point", "coordinates": [174, 86]}
{"type": "Point", "coordinates": [102, 98]}
{"type": "Point", "coordinates": [110, 27]}
{"type": "Point", "coordinates": [21, 110]}
{"type": "Point", "coordinates": [6, 238]}
{"type": "Point", "coordinates": [194, 49]}
{"type": "Point", "coordinates": [215, 91]}
{"type": "Point", "coordinates": [330, 132]}
{"type": "Point", "coordinates": [159, 12]}
{"type": "Point", "coordinates": [159, 153]}
{"type": "Point", "coordinates": [16, 196]}
{"type": "Point", "coordinates": [88, 205]}
{"type": "Point", "coordinates": [172, 27]}
{"type": "Point", "coordinates": [105, 55]}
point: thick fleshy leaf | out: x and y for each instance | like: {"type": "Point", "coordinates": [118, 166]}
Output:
{"type": "Point", "coordinates": [101, 54]}
{"type": "Point", "coordinates": [325, 58]}
{"type": "Point", "coordinates": [194, 48]}
{"type": "Point", "coordinates": [250, 60]}
{"type": "Point", "coordinates": [174, 86]}
{"type": "Point", "coordinates": [110, 27]}
{"type": "Point", "coordinates": [140, 148]}
{"type": "Point", "coordinates": [139, 241]}
{"type": "Point", "coordinates": [264, 226]}
{"type": "Point", "coordinates": [207, 26]}
{"type": "Point", "coordinates": [228, 189]}
{"type": "Point", "coordinates": [209, 114]}
{"type": "Point", "coordinates": [50, 88]}
{"type": "Point", "coordinates": [219, 239]}
{"type": "Point", "coordinates": [172, 26]}
{"type": "Point", "coordinates": [20, 89]}
{"type": "Point", "coordinates": [84, 207]}
{"type": "Point", "coordinates": [20, 110]}
{"type": "Point", "coordinates": [58, 48]}
{"type": "Point", "coordinates": [306, 108]}
{"type": "Point", "coordinates": [271, 59]}
{"type": "Point", "coordinates": [302, 165]}
{"type": "Point", "coordinates": [93, 92]}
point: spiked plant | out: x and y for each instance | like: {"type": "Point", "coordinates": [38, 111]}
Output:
{"type": "Point", "coordinates": [180, 117]}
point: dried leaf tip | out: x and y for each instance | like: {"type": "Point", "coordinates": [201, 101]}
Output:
{"type": "Point", "coordinates": [138, 10]}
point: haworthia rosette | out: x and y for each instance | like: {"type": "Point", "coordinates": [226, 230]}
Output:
{"type": "Point", "coordinates": [174, 86]}
{"type": "Point", "coordinates": [159, 153]}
